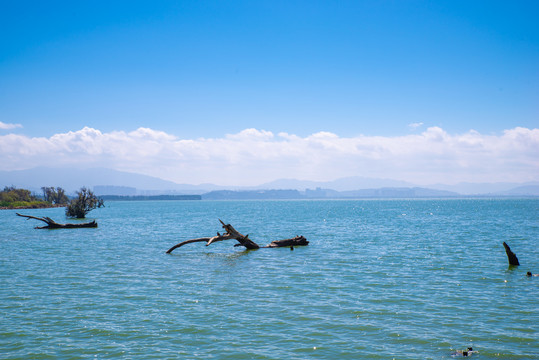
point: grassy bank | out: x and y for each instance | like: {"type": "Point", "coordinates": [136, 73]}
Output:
{"type": "Point", "coordinates": [4, 205]}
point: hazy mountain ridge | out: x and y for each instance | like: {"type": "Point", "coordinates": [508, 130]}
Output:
{"type": "Point", "coordinates": [108, 180]}
{"type": "Point", "coordinates": [342, 184]}
{"type": "Point", "coordinates": [327, 194]}
{"type": "Point", "coordinates": [72, 179]}
{"type": "Point", "coordinates": [504, 188]}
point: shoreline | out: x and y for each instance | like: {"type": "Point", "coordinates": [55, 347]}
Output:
{"type": "Point", "coordinates": [31, 207]}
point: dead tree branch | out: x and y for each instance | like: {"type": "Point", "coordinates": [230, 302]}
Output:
{"type": "Point", "coordinates": [243, 240]}
{"type": "Point", "coordinates": [51, 224]}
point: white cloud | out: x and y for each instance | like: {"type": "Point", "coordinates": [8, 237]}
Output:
{"type": "Point", "coordinates": [254, 156]}
{"type": "Point", "coordinates": [251, 135]}
{"type": "Point", "coordinates": [5, 126]}
{"type": "Point", "coordinates": [416, 125]}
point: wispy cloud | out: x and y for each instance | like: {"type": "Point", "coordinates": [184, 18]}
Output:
{"type": "Point", "coordinates": [415, 125]}
{"type": "Point", "coordinates": [5, 126]}
{"type": "Point", "coordinates": [253, 156]}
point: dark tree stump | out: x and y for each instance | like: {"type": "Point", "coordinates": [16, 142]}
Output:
{"type": "Point", "coordinates": [513, 260]}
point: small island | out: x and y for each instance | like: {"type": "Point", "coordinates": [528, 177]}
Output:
{"type": "Point", "coordinates": [78, 206]}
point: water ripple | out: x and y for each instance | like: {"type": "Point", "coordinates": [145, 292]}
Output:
{"type": "Point", "coordinates": [402, 279]}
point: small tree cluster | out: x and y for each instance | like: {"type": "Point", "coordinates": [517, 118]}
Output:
{"type": "Point", "coordinates": [54, 195]}
{"type": "Point", "coordinates": [11, 197]}
{"type": "Point", "coordinates": [85, 202]}
{"type": "Point", "coordinates": [11, 194]}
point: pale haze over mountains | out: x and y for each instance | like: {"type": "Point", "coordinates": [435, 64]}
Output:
{"type": "Point", "coordinates": [73, 179]}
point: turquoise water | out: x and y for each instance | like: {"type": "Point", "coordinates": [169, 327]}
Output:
{"type": "Point", "coordinates": [403, 279]}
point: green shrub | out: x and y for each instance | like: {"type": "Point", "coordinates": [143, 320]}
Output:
{"type": "Point", "coordinates": [85, 202]}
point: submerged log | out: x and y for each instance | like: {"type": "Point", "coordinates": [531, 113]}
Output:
{"type": "Point", "coordinates": [243, 240]}
{"type": "Point", "coordinates": [51, 224]}
{"type": "Point", "coordinates": [513, 260]}
{"type": "Point", "coordinates": [295, 241]}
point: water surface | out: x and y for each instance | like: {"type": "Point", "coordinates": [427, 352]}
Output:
{"type": "Point", "coordinates": [402, 279]}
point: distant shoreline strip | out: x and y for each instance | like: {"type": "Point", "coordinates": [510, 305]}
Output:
{"type": "Point", "coordinates": [150, 197]}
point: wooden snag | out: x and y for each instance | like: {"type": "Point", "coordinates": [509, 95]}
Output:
{"type": "Point", "coordinates": [243, 240]}
{"type": "Point", "coordinates": [513, 260]}
{"type": "Point", "coordinates": [295, 241]}
{"type": "Point", "coordinates": [51, 224]}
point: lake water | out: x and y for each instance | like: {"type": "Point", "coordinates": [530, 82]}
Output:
{"type": "Point", "coordinates": [403, 279]}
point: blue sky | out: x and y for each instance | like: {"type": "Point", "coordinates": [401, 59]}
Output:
{"type": "Point", "coordinates": [204, 69]}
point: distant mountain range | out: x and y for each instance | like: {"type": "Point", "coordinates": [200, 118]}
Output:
{"type": "Point", "coordinates": [342, 184]}
{"type": "Point", "coordinates": [112, 182]}
{"type": "Point", "coordinates": [327, 194]}
{"type": "Point", "coordinates": [73, 179]}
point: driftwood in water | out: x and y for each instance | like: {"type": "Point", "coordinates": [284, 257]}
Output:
{"type": "Point", "coordinates": [233, 234]}
{"type": "Point", "coordinates": [513, 260]}
{"type": "Point", "coordinates": [295, 241]}
{"type": "Point", "coordinates": [51, 224]}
